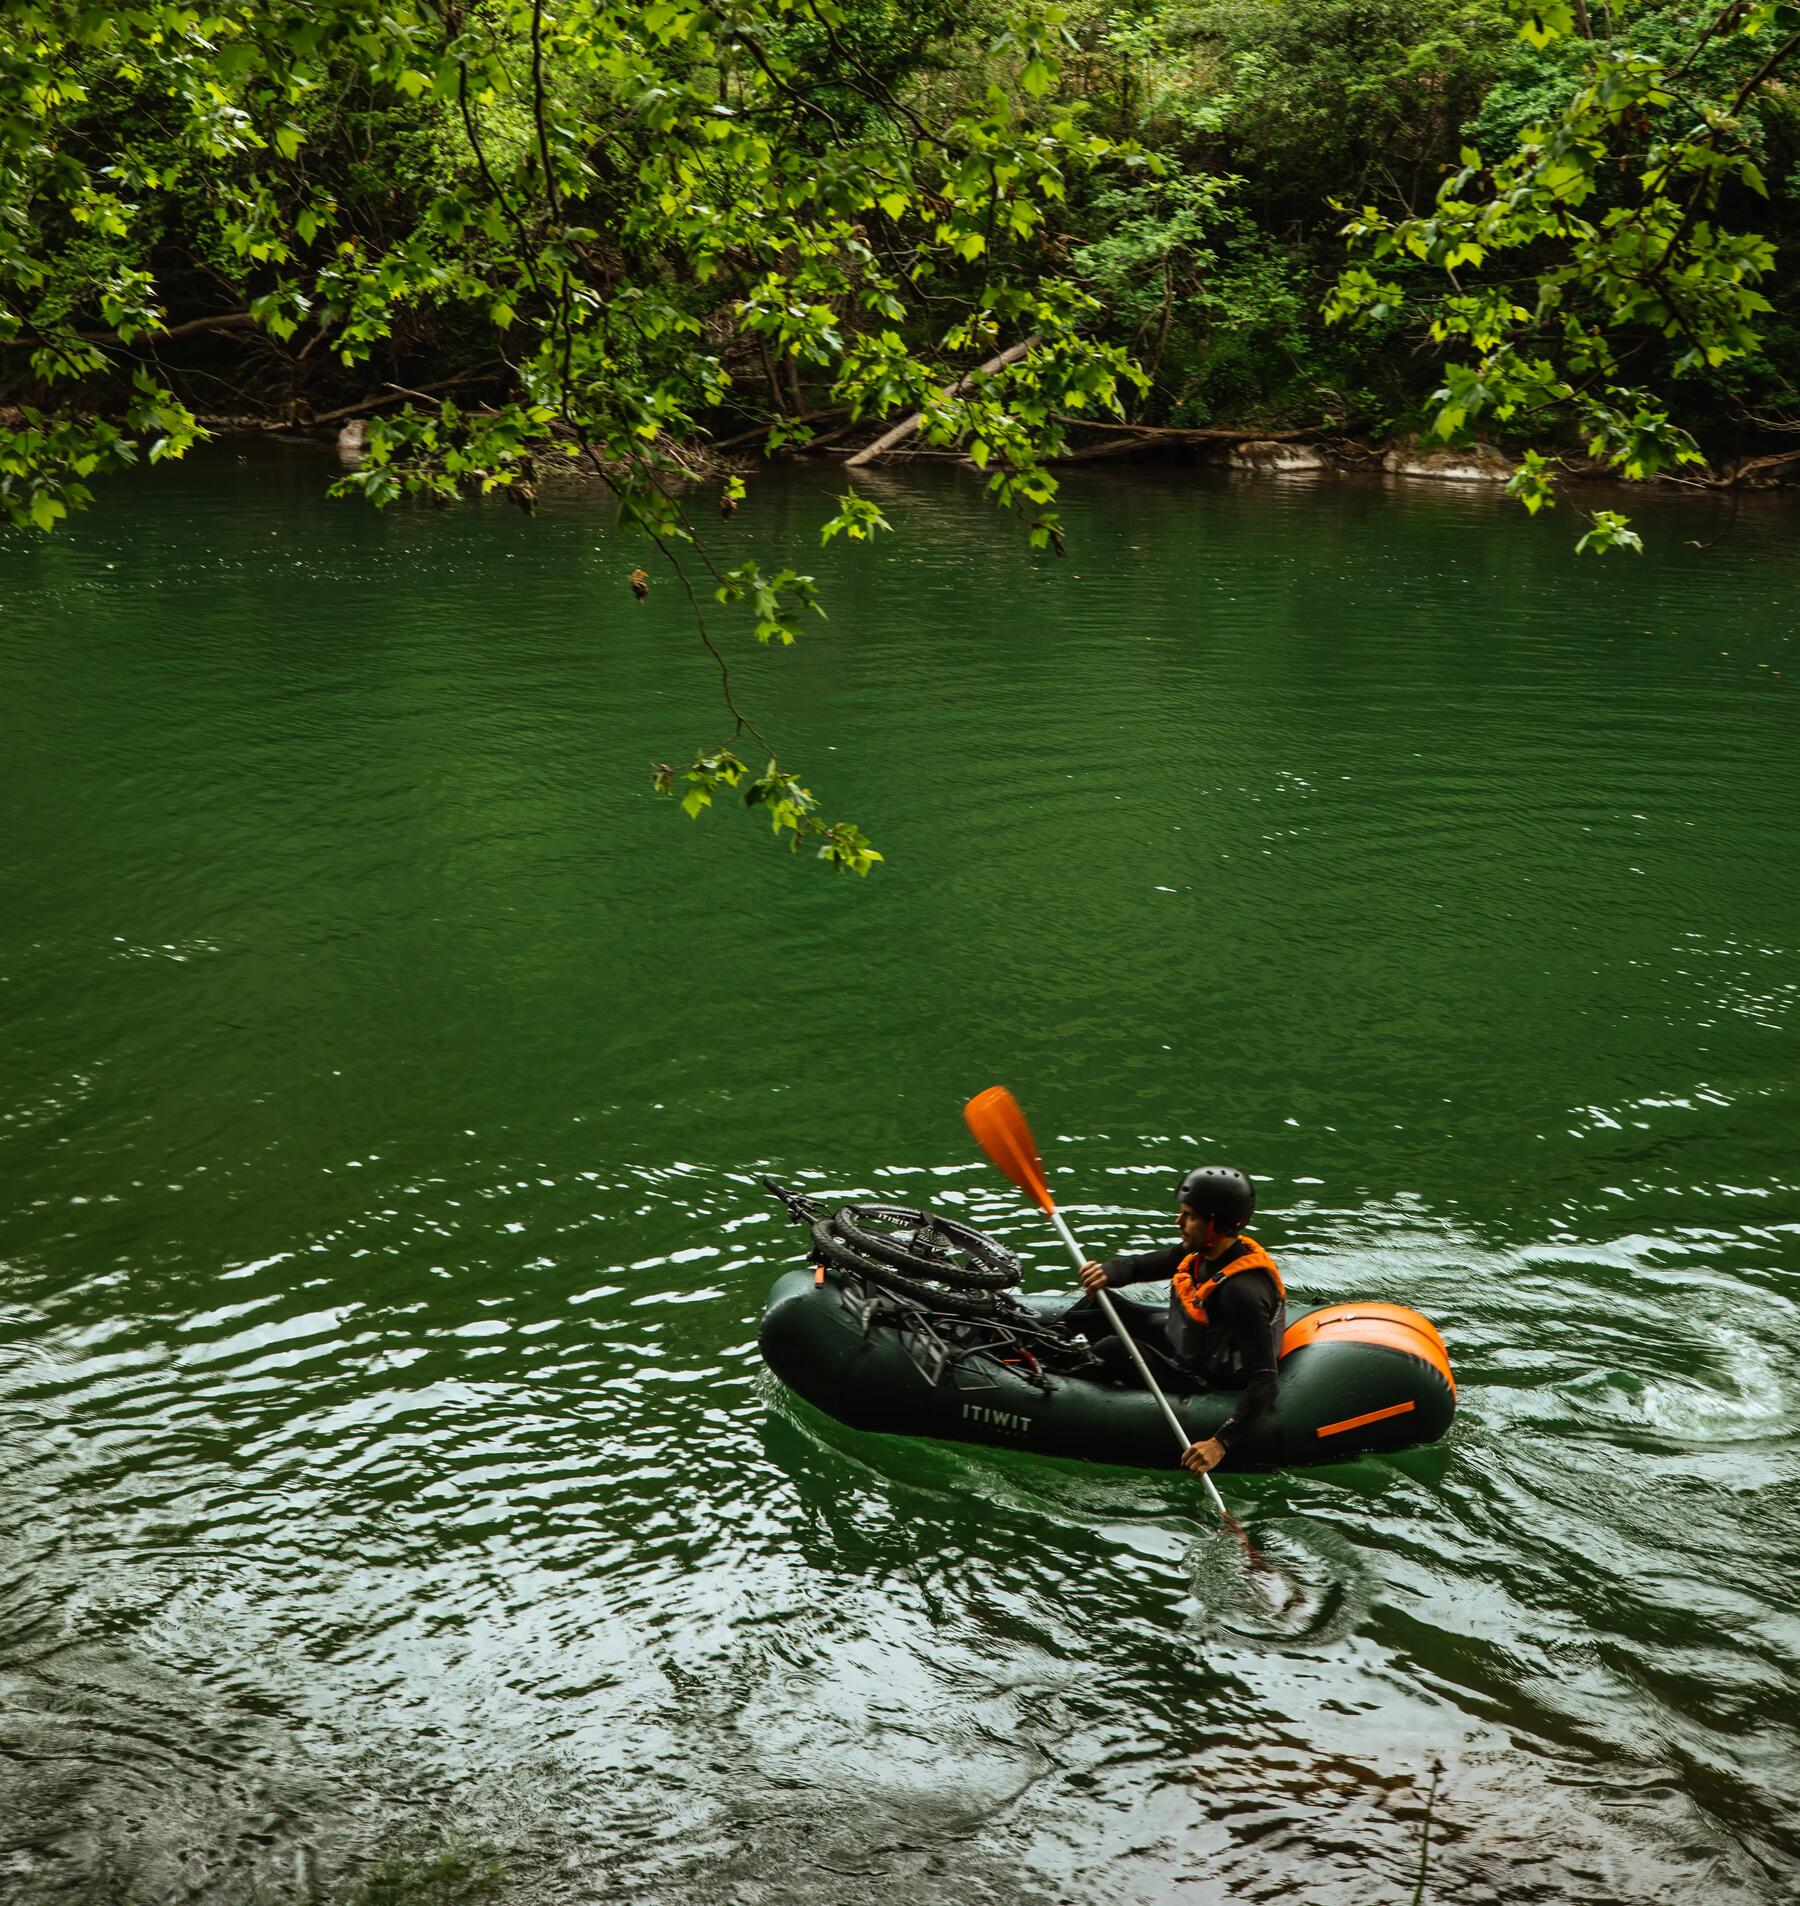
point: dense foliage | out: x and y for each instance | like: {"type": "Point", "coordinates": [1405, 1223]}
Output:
{"type": "Point", "coordinates": [600, 230]}
{"type": "Point", "coordinates": [1586, 224]}
{"type": "Point", "coordinates": [1599, 275]}
{"type": "Point", "coordinates": [1267, 114]}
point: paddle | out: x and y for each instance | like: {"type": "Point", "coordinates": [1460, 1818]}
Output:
{"type": "Point", "coordinates": [1000, 1130]}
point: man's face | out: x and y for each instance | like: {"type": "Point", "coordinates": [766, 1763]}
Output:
{"type": "Point", "coordinates": [1193, 1229]}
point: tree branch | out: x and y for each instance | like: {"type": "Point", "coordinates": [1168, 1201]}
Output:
{"type": "Point", "coordinates": [398, 395]}
{"type": "Point", "coordinates": [219, 321]}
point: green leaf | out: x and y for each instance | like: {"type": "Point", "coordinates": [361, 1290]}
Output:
{"type": "Point", "coordinates": [1608, 533]}
{"type": "Point", "coordinates": [1545, 20]}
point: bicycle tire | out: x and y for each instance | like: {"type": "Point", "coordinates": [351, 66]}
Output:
{"type": "Point", "coordinates": [989, 1266]}
{"type": "Point", "coordinates": [834, 1250]}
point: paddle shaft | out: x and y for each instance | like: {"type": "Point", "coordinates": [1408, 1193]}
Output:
{"type": "Point", "coordinates": [1182, 1438]}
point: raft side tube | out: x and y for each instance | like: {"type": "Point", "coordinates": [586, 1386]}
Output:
{"type": "Point", "coordinates": [1356, 1379]}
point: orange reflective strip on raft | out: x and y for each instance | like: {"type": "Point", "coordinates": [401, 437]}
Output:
{"type": "Point", "coordinates": [1371, 1416]}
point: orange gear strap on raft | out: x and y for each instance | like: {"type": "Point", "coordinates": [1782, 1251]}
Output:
{"type": "Point", "coordinates": [1193, 1294]}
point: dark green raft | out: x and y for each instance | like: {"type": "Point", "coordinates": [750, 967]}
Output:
{"type": "Point", "coordinates": [1356, 1379]}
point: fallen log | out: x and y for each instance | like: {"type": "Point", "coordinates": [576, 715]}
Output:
{"type": "Point", "coordinates": [901, 431]}
{"type": "Point", "coordinates": [1113, 447]}
{"type": "Point", "coordinates": [763, 429]}
{"type": "Point", "coordinates": [1202, 433]}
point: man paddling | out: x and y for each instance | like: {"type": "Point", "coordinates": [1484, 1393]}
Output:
{"type": "Point", "coordinates": [1227, 1305]}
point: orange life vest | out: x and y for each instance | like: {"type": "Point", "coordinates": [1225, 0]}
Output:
{"type": "Point", "coordinates": [1192, 1293]}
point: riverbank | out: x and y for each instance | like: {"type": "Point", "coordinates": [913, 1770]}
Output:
{"type": "Point", "coordinates": [1248, 450]}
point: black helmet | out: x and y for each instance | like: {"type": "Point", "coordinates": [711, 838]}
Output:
{"type": "Point", "coordinates": [1220, 1193]}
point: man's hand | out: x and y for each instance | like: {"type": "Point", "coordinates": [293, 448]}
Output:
{"type": "Point", "coordinates": [1093, 1277]}
{"type": "Point", "coordinates": [1198, 1458]}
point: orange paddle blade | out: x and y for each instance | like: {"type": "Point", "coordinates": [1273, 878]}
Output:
{"type": "Point", "coordinates": [1000, 1130]}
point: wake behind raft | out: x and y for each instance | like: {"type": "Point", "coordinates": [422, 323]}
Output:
{"type": "Point", "coordinates": [909, 1323]}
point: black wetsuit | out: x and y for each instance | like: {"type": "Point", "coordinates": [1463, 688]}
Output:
{"type": "Point", "coordinates": [1235, 1349]}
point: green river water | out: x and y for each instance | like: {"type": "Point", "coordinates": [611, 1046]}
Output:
{"type": "Point", "coordinates": [385, 1458]}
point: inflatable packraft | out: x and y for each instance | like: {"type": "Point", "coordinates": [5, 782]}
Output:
{"type": "Point", "coordinates": [906, 1322]}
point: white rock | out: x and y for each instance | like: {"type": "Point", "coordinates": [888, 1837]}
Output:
{"type": "Point", "coordinates": [1275, 459]}
{"type": "Point", "coordinates": [1475, 464]}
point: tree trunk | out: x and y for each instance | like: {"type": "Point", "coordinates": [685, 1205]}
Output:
{"type": "Point", "coordinates": [768, 364]}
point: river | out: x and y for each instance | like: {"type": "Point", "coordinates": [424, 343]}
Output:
{"type": "Point", "coordinates": [386, 1465]}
